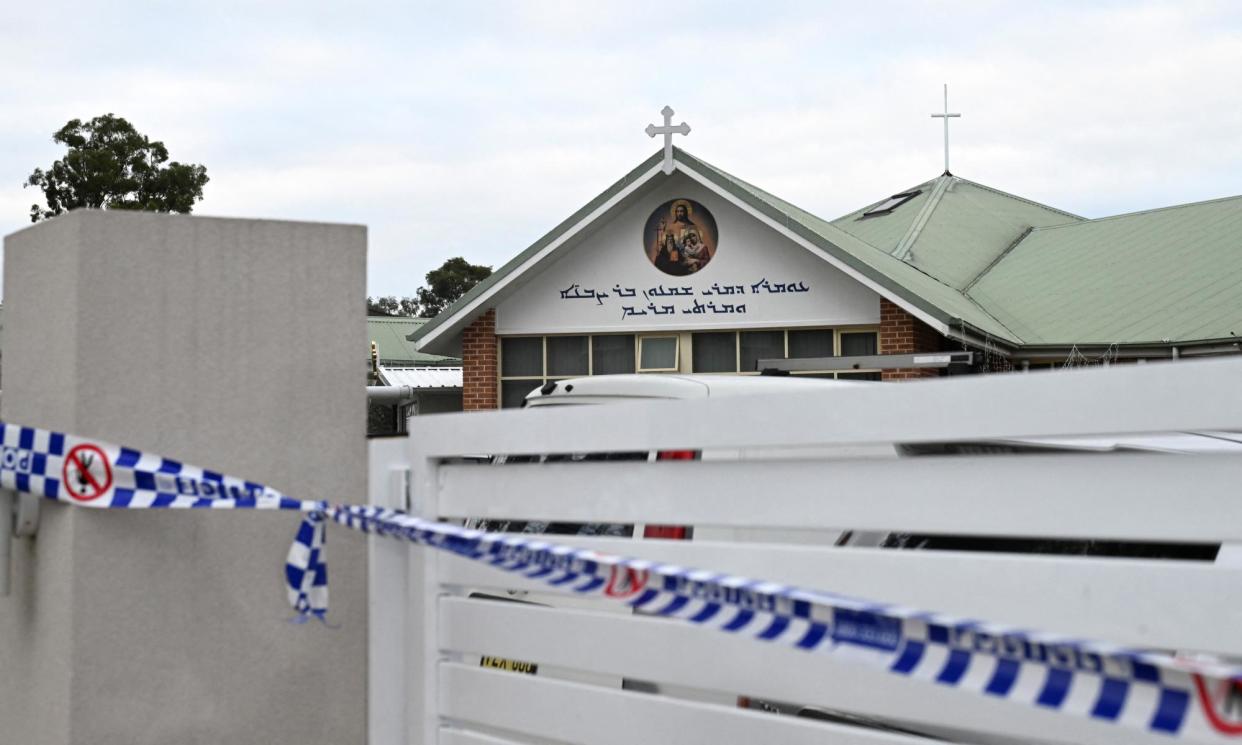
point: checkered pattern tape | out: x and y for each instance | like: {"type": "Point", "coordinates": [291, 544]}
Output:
{"type": "Point", "coordinates": [1104, 682]}
{"type": "Point", "coordinates": [90, 473]}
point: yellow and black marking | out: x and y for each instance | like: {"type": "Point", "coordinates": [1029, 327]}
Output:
{"type": "Point", "coordinates": [513, 666]}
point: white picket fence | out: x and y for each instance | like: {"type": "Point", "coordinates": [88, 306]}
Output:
{"type": "Point", "coordinates": [426, 635]}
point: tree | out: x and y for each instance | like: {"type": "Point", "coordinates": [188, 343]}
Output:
{"type": "Point", "coordinates": [391, 306]}
{"type": "Point", "coordinates": [453, 279]}
{"type": "Point", "coordinates": [110, 165]}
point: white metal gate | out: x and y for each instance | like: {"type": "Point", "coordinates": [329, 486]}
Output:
{"type": "Point", "coordinates": [776, 471]}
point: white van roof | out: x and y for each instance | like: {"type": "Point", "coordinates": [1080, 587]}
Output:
{"type": "Point", "coordinates": [598, 389]}
{"type": "Point", "coordinates": [605, 388]}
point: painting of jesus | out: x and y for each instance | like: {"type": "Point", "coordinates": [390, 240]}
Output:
{"type": "Point", "coordinates": [680, 237]}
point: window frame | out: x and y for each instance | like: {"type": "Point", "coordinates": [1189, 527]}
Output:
{"type": "Point", "coordinates": [638, 352]}
{"type": "Point", "coordinates": [684, 341]}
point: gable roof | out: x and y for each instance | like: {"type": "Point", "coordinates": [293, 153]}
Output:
{"type": "Point", "coordinates": [924, 296]}
{"type": "Point", "coordinates": [451, 316]}
{"type": "Point", "coordinates": [976, 263]}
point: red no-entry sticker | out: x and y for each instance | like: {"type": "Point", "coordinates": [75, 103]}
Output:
{"type": "Point", "coordinates": [86, 474]}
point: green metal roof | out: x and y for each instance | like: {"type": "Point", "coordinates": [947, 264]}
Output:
{"type": "Point", "coordinates": [510, 266]}
{"type": "Point", "coordinates": [902, 280]}
{"type": "Point", "coordinates": [389, 334]}
{"type": "Point", "coordinates": [1166, 275]}
{"type": "Point", "coordinates": [990, 265]}
{"type": "Point", "coordinates": [954, 229]}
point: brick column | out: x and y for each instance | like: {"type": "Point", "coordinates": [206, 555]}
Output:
{"type": "Point", "coordinates": [478, 358]}
{"type": "Point", "coordinates": [902, 333]}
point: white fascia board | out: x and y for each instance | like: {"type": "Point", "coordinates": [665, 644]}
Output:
{"type": "Point", "coordinates": [853, 273]}
{"type": "Point", "coordinates": [482, 300]}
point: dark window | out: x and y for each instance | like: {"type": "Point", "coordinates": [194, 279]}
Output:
{"type": "Point", "coordinates": [567, 355]}
{"type": "Point", "coordinates": [612, 355]}
{"type": "Point", "coordinates": [855, 345]}
{"type": "Point", "coordinates": [512, 392]}
{"type": "Point", "coordinates": [758, 345]}
{"type": "Point", "coordinates": [521, 355]}
{"type": "Point", "coordinates": [814, 343]}
{"type": "Point", "coordinates": [715, 352]}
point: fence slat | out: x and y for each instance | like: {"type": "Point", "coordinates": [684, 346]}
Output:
{"type": "Point", "coordinates": [1152, 496]}
{"type": "Point", "coordinates": [1141, 398]}
{"type": "Point", "coordinates": [623, 645]}
{"type": "Point", "coordinates": [452, 736]}
{"type": "Point", "coordinates": [777, 468]}
{"type": "Point", "coordinates": [1153, 604]}
{"type": "Point", "coordinates": [600, 716]}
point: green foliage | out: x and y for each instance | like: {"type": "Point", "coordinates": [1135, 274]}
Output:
{"type": "Point", "coordinates": [453, 279]}
{"type": "Point", "coordinates": [110, 165]}
{"type": "Point", "coordinates": [391, 306]}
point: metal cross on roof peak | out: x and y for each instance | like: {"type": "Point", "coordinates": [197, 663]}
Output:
{"type": "Point", "coordinates": [946, 116]}
{"type": "Point", "coordinates": [668, 130]}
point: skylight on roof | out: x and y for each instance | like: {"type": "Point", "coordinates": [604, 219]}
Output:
{"type": "Point", "coordinates": [892, 203]}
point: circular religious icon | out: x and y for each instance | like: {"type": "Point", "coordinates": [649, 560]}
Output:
{"type": "Point", "coordinates": [680, 237]}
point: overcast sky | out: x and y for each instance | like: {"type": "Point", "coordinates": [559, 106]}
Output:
{"type": "Point", "coordinates": [472, 128]}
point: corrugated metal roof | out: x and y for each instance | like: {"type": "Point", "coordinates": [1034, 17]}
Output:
{"type": "Point", "coordinates": [903, 280]}
{"type": "Point", "coordinates": [968, 227]}
{"type": "Point", "coordinates": [1169, 274]}
{"type": "Point", "coordinates": [1014, 270]}
{"type": "Point", "coordinates": [389, 334]}
{"type": "Point", "coordinates": [422, 378]}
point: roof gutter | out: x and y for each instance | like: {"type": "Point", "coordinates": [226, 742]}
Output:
{"type": "Point", "coordinates": [1137, 351]}
{"type": "Point", "coordinates": [974, 336]}
{"type": "Point", "coordinates": [393, 395]}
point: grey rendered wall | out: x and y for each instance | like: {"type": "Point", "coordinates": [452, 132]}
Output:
{"type": "Point", "coordinates": [229, 344]}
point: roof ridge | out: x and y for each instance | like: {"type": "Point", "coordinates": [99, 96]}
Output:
{"type": "Point", "coordinates": [997, 260]}
{"type": "Point", "coordinates": [861, 242]}
{"type": "Point", "coordinates": [1032, 202]}
{"type": "Point", "coordinates": [906, 244]}
{"type": "Point", "coordinates": [1106, 218]}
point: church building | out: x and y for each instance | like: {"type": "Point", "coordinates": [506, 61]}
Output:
{"type": "Point", "coordinates": [682, 267]}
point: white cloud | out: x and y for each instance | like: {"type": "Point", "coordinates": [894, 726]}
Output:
{"type": "Point", "coordinates": [472, 129]}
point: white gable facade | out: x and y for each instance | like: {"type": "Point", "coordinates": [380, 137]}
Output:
{"type": "Point", "coordinates": [605, 282]}
{"type": "Point", "coordinates": [665, 273]}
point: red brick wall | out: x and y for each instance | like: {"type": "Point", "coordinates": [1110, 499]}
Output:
{"type": "Point", "coordinates": [902, 333]}
{"type": "Point", "coordinates": [478, 359]}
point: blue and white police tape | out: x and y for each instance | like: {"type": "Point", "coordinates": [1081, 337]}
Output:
{"type": "Point", "coordinates": [90, 473]}
{"type": "Point", "coordinates": [1106, 682]}
{"type": "Point", "coordinates": [1101, 681]}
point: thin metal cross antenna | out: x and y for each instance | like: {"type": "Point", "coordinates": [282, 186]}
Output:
{"type": "Point", "coordinates": [946, 116]}
{"type": "Point", "coordinates": [668, 130]}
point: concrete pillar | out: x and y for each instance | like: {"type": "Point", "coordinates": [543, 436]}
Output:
{"type": "Point", "coordinates": [231, 344]}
